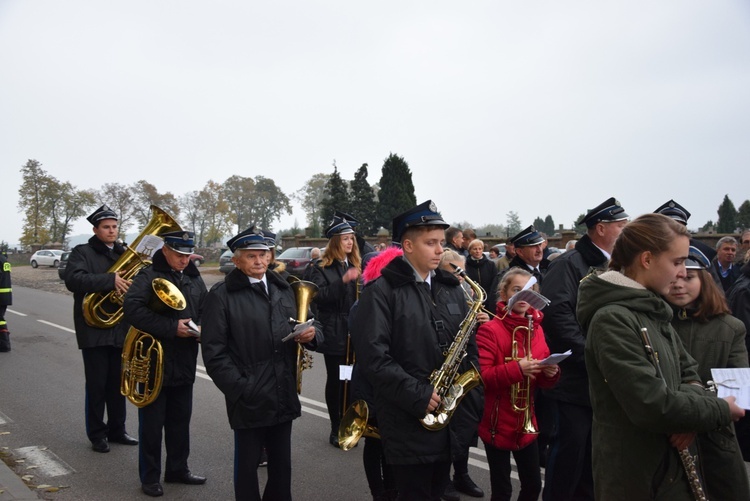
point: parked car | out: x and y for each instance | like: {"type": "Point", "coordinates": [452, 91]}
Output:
{"type": "Point", "coordinates": [45, 257]}
{"type": "Point", "coordinates": [225, 262]}
{"type": "Point", "coordinates": [63, 265]}
{"type": "Point", "coordinates": [197, 259]}
{"type": "Point", "coordinates": [295, 259]}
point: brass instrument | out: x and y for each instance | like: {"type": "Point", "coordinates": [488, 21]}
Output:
{"type": "Point", "coordinates": [520, 393]}
{"type": "Point", "coordinates": [104, 310]}
{"type": "Point", "coordinates": [451, 386]}
{"type": "Point", "coordinates": [304, 292]}
{"type": "Point", "coordinates": [687, 459]}
{"type": "Point", "coordinates": [355, 425]}
{"type": "Point", "coordinates": [143, 355]}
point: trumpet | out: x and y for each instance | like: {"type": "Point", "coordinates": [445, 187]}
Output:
{"type": "Point", "coordinates": [520, 393]}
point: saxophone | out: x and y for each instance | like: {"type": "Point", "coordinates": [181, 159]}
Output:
{"type": "Point", "coordinates": [451, 386]}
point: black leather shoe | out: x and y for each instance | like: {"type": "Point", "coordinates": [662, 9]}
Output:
{"type": "Point", "coordinates": [124, 439]}
{"type": "Point", "coordinates": [186, 478]}
{"type": "Point", "coordinates": [466, 485]}
{"type": "Point", "coordinates": [450, 493]}
{"type": "Point", "coordinates": [100, 445]}
{"type": "Point", "coordinates": [153, 490]}
{"type": "Point", "coordinates": [333, 439]}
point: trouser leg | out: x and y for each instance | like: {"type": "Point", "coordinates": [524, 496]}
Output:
{"type": "Point", "coordinates": [95, 366]}
{"type": "Point", "coordinates": [279, 448]}
{"type": "Point", "coordinates": [116, 409]}
{"type": "Point", "coordinates": [568, 473]}
{"type": "Point", "coordinates": [421, 481]}
{"type": "Point", "coordinates": [150, 424]}
{"type": "Point", "coordinates": [527, 462]}
{"type": "Point", "coordinates": [177, 428]}
{"type": "Point", "coordinates": [499, 461]}
{"type": "Point", "coordinates": [333, 389]}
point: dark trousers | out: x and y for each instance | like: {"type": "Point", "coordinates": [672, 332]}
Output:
{"type": "Point", "coordinates": [334, 390]}
{"type": "Point", "coordinates": [170, 412]}
{"type": "Point", "coordinates": [248, 444]}
{"type": "Point", "coordinates": [568, 474]}
{"type": "Point", "coordinates": [102, 370]}
{"type": "Point", "coordinates": [421, 482]}
{"type": "Point", "coordinates": [378, 472]}
{"type": "Point", "coordinates": [527, 462]}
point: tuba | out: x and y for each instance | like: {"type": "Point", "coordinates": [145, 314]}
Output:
{"type": "Point", "coordinates": [104, 310]}
{"type": "Point", "coordinates": [304, 292]}
{"type": "Point", "coordinates": [520, 393]}
{"type": "Point", "coordinates": [355, 425]}
{"type": "Point", "coordinates": [451, 386]}
{"type": "Point", "coordinates": [142, 354]}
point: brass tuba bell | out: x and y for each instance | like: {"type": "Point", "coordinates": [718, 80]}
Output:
{"type": "Point", "coordinates": [104, 310]}
{"type": "Point", "coordinates": [142, 354]}
{"type": "Point", "coordinates": [304, 292]}
{"type": "Point", "coordinates": [355, 425]}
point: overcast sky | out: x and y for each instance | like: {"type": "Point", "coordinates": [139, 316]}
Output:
{"type": "Point", "coordinates": [534, 107]}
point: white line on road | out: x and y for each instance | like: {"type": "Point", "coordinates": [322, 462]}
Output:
{"type": "Point", "coordinates": [17, 313]}
{"type": "Point", "coordinates": [45, 460]}
{"type": "Point", "coordinates": [55, 325]}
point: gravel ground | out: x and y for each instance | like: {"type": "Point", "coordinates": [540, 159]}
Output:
{"type": "Point", "coordinates": [46, 279]}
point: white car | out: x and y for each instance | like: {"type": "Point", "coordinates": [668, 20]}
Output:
{"type": "Point", "coordinates": [46, 257]}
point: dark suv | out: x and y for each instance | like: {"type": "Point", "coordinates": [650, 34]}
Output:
{"type": "Point", "coordinates": [295, 259]}
{"type": "Point", "coordinates": [63, 264]}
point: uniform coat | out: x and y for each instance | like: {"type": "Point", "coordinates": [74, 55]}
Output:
{"type": "Point", "coordinates": [483, 272]}
{"type": "Point", "coordinates": [399, 334]}
{"type": "Point", "coordinates": [634, 408]}
{"type": "Point", "coordinates": [501, 426]}
{"type": "Point", "coordinates": [244, 353]}
{"type": "Point", "coordinates": [333, 302]}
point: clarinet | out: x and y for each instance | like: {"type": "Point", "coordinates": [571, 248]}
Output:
{"type": "Point", "coordinates": [688, 460]}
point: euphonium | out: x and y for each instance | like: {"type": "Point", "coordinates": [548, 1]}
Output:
{"type": "Point", "coordinates": [520, 393]}
{"type": "Point", "coordinates": [304, 292]}
{"type": "Point", "coordinates": [451, 386]}
{"type": "Point", "coordinates": [142, 353]}
{"type": "Point", "coordinates": [105, 310]}
{"type": "Point", "coordinates": [355, 425]}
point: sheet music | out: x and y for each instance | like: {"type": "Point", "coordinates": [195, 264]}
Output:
{"type": "Point", "coordinates": [735, 383]}
{"type": "Point", "coordinates": [148, 245]}
{"type": "Point", "coordinates": [345, 372]}
{"type": "Point", "coordinates": [297, 329]}
{"type": "Point", "coordinates": [536, 300]}
{"type": "Point", "coordinates": [556, 358]}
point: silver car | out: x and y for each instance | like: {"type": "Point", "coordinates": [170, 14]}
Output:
{"type": "Point", "coordinates": [46, 257]}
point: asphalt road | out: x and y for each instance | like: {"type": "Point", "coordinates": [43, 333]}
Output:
{"type": "Point", "coordinates": [42, 405]}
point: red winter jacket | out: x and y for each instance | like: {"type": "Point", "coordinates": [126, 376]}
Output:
{"type": "Point", "coordinates": [501, 425]}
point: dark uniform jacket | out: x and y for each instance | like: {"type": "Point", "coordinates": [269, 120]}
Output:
{"type": "Point", "coordinates": [561, 327]}
{"type": "Point", "coordinates": [243, 350]}
{"type": "Point", "coordinates": [333, 301]}
{"type": "Point", "coordinates": [6, 292]}
{"type": "Point", "coordinates": [739, 299]}
{"type": "Point", "coordinates": [483, 272]}
{"type": "Point", "coordinates": [180, 354]}
{"type": "Point", "coordinates": [400, 332]}
{"type": "Point", "coordinates": [635, 408]}
{"type": "Point", "coordinates": [87, 273]}
{"type": "Point", "coordinates": [492, 295]}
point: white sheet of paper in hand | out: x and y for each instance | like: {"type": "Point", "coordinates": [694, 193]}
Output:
{"type": "Point", "coordinates": [556, 358]}
{"type": "Point", "coordinates": [536, 300]}
{"type": "Point", "coordinates": [297, 329]}
{"type": "Point", "coordinates": [734, 383]}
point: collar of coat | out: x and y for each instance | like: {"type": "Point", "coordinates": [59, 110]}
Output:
{"type": "Point", "coordinates": [160, 264]}
{"type": "Point", "coordinates": [236, 280]}
{"type": "Point", "coordinates": [517, 262]}
{"type": "Point", "coordinates": [399, 273]}
{"type": "Point", "coordinates": [100, 248]}
{"type": "Point", "coordinates": [590, 253]}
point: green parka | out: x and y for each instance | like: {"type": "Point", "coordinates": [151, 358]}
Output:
{"type": "Point", "coordinates": [635, 410]}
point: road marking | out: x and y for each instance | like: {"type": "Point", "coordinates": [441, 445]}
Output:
{"type": "Point", "coordinates": [5, 419]}
{"type": "Point", "coordinates": [310, 401]}
{"type": "Point", "coordinates": [17, 313]}
{"type": "Point", "coordinates": [55, 325]}
{"type": "Point", "coordinates": [315, 412]}
{"type": "Point", "coordinates": [47, 463]}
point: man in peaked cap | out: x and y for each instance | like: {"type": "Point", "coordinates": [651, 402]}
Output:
{"type": "Point", "coordinates": [101, 347]}
{"type": "Point", "coordinates": [169, 414]}
{"type": "Point", "coordinates": [681, 215]}
{"type": "Point", "coordinates": [405, 321]}
{"type": "Point", "coordinates": [568, 468]}
{"type": "Point", "coordinates": [246, 321]}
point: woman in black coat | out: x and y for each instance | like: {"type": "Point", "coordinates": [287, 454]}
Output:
{"type": "Point", "coordinates": [481, 270]}
{"type": "Point", "coordinates": [336, 277]}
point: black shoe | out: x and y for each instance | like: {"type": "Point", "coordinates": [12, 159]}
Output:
{"type": "Point", "coordinates": [124, 439]}
{"type": "Point", "coordinates": [153, 490]}
{"type": "Point", "coordinates": [4, 340]}
{"type": "Point", "coordinates": [186, 478]}
{"type": "Point", "coordinates": [100, 445]}
{"type": "Point", "coordinates": [333, 439]}
{"type": "Point", "coordinates": [466, 485]}
{"type": "Point", "coordinates": [450, 493]}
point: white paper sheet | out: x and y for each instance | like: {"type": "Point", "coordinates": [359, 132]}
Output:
{"type": "Point", "coordinates": [345, 372]}
{"type": "Point", "coordinates": [556, 358]}
{"type": "Point", "coordinates": [735, 383]}
{"type": "Point", "coordinates": [297, 329]}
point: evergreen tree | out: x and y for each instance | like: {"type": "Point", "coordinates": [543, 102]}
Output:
{"type": "Point", "coordinates": [363, 202]}
{"type": "Point", "coordinates": [549, 225]}
{"type": "Point", "coordinates": [396, 193]}
{"type": "Point", "coordinates": [513, 223]}
{"type": "Point", "coordinates": [743, 215]}
{"type": "Point", "coordinates": [539, 224]}
{"type": "Point", "coordinates": [581, 229]}
{"type": "Point", "coordinates": [336, 198]}
{"type": "Point", "coordinates": [727, 222]}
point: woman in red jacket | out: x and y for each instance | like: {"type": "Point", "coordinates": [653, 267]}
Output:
{"type": "Point", "coordinates": [502, 427]}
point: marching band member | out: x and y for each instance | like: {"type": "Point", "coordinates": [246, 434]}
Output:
{"type": "Point", "coordinates": [501, 428]}
{"type": "Point", "coordinates": [404, 322]}
{"type": "Point", "coordinates": [172, 409]}
{"type": "Point", "coordinates": [336, 277]}
{"type": "Point", "coordinates": [101, 348]}
{"type": "Point", "coordinates": [245, 326]}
